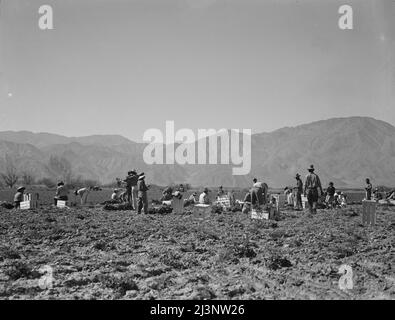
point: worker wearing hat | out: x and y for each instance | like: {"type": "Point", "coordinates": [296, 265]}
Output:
{"type": "Point", "coordinates": [61, 193]}
{"type": "Point", "coordinates": [203, 198]}
{"type": "Point", "coordinates": [131, 187]}
{"type": "Point", "coordinates": [192, 198]}
{"type": "Point", "coordinates": [312, 189]}
{"type": "Point", "coordinates": [299, 192]}
{"type": "Point", "coordinates": [142, 188]}
{"type": "Point", "coordinates": [18, 197]}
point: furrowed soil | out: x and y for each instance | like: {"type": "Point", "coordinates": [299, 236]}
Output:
{"type": "Point", "coordinates": [96, 254]}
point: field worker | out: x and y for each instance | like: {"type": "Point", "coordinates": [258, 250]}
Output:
{"type": "Point", "coordinates": [232, 198]}
{"type": "Point", "coordinates": [167, 194]}
{"type": "Point", "coordinates": [203, 198]}
{"type": "Point", "coordinates": [312, 189]}
{"type": "Point", "coordinates": [192, 198]}
{"type": "Point", "coordinates": [131, 187]}
{"type": "Point", "coordinates": [264, 189]}
{"type": "Point", "coordinates": [343, 200]}
{"type": "Point", "coordinates": [142, 189]}
{"type": "Point", "coordinates": [123, 196]}
{"type": "Point", "coordinates": [368, 189]}
{"type": "Point", "coordinates": [247, 203]}
{"type": "Point", "coordinates": [18, 197]}
{"type": "Point", "coordinates": [83, 193]}
{"type": "Point", "coordinates": [220, 192]}
{"type": "Point", "coordinates": [257, 193]}
{"type": "Point", "coordinates": [377, 194]}
{"type": "Point", "coordinates": [61, 193]}
{"type": "Point", "coordinates": [299, 192]}
{"type": "Point", "coordinates": [289, 196]}
{"type": "Point", "coordinates": [390, 195]}
{"type": "Point", "coordinates": [330, 195]}
{"type": "Point", "coordinates": [115, 195]}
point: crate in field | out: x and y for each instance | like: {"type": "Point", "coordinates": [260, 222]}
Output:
{"type": "Point", "coordinates": [223, 202]}
{"type": "Point", "coordinates": [26, 205]}
{"type": "Point", "coordinates": [30, 201]}
{"type": "Point", "coordinates": [262, 214]}
{"type": "Point", "coordinates": [202, 209]}
{"type": "Point", "coordinates": [369, 212]}
{"type": "Point", "coordinates": [61, 204]}
{"type": "Point", "coordinates": [178, 205]}
{"type": "Point", "coordinates": [304, 202]}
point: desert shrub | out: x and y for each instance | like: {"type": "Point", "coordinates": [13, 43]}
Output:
{"type": "Point", "coordinates": [21, 270]}
{"type": "Point", "coordinates": [8, 253]}
{"type": "Point", "coordinates": [216, 209]}
{"type": "Point", "coordinates": [120, 284]}
{"type": "Point", "coordinates": [276, 262]}
{"type": "Point", "coordinates": [117, 206]}
{"type": "Point", "coordinates": [7, 205]}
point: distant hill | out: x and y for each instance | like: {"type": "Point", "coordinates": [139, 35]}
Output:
{"type": "Point", "coordinates": [344, 150]}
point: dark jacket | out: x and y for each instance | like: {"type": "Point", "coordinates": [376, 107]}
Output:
{"type": "Point", "coordinates": [131, 180]}
{"type": "Point", "coordinates": [330, 191]}
{"type": "Point", "coordinates": [141, 188]}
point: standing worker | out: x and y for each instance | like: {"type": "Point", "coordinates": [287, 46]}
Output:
{"type": "Point", "coordinates": [142, 189]}
{"type": "Point", "coordinates": [368, 189]}
{"type": "Point", "coordinates": [299, 192]}
{"type": "Point", "coordinates": [258, 193]}
{"type": "Point", "coordinates": [131, 187]}
{"type": "Point", "coordinates": [312, 187]}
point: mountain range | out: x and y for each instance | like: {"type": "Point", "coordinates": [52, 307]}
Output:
{"type": "Point", "coordinates": [343, 150]}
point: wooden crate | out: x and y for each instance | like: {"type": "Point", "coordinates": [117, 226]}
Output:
{"type": "Point", "coordinates": [260, 214]}
{"type": "Point", "coordinates": [26, 205]}
{"type": "Point", "coordinates": [61, 204]}
{"type": "Point", "coordinates": [178, 206]}
{"type": "Point", "coordinates": [368, 212]}
{"type": "Point", "coordinates": [223, 202]}
{"type": "Point", "coordinates": [30, 201]}
{"type": "Point", "coordinates": [202, 209]}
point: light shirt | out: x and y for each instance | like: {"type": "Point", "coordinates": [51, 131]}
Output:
{"type": "Point", "coordinates": [204, 199]}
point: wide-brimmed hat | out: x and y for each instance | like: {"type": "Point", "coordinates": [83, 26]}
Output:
{"type": "Point", "coordinates": [21, 188]}
{"type": "Point", "coordinates": [61, 183]}
{"type": "Point", "coordinates": [194, 194]}
{"type": "Point", "coordinates": [297, 175]}
{"type": "Point", "coordinates": [311, 168]}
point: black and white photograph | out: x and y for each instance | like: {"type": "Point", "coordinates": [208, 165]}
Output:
{"type": "Point", "coordinates": [210, 152]}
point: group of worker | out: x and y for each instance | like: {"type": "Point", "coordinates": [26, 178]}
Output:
{"type": "Point", "coordinates": [135, 191]}
{"type": "Point", "coordinates": [311, 189]}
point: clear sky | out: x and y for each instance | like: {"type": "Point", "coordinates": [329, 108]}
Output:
{"type": "Point", "coordinates": [124, 66]}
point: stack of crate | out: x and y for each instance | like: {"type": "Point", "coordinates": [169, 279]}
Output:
{"type": "Point", "coordinates": [30, 201]}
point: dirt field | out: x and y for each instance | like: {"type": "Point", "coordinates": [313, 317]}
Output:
{"type": "Point", "coordinates": [96, 254]}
